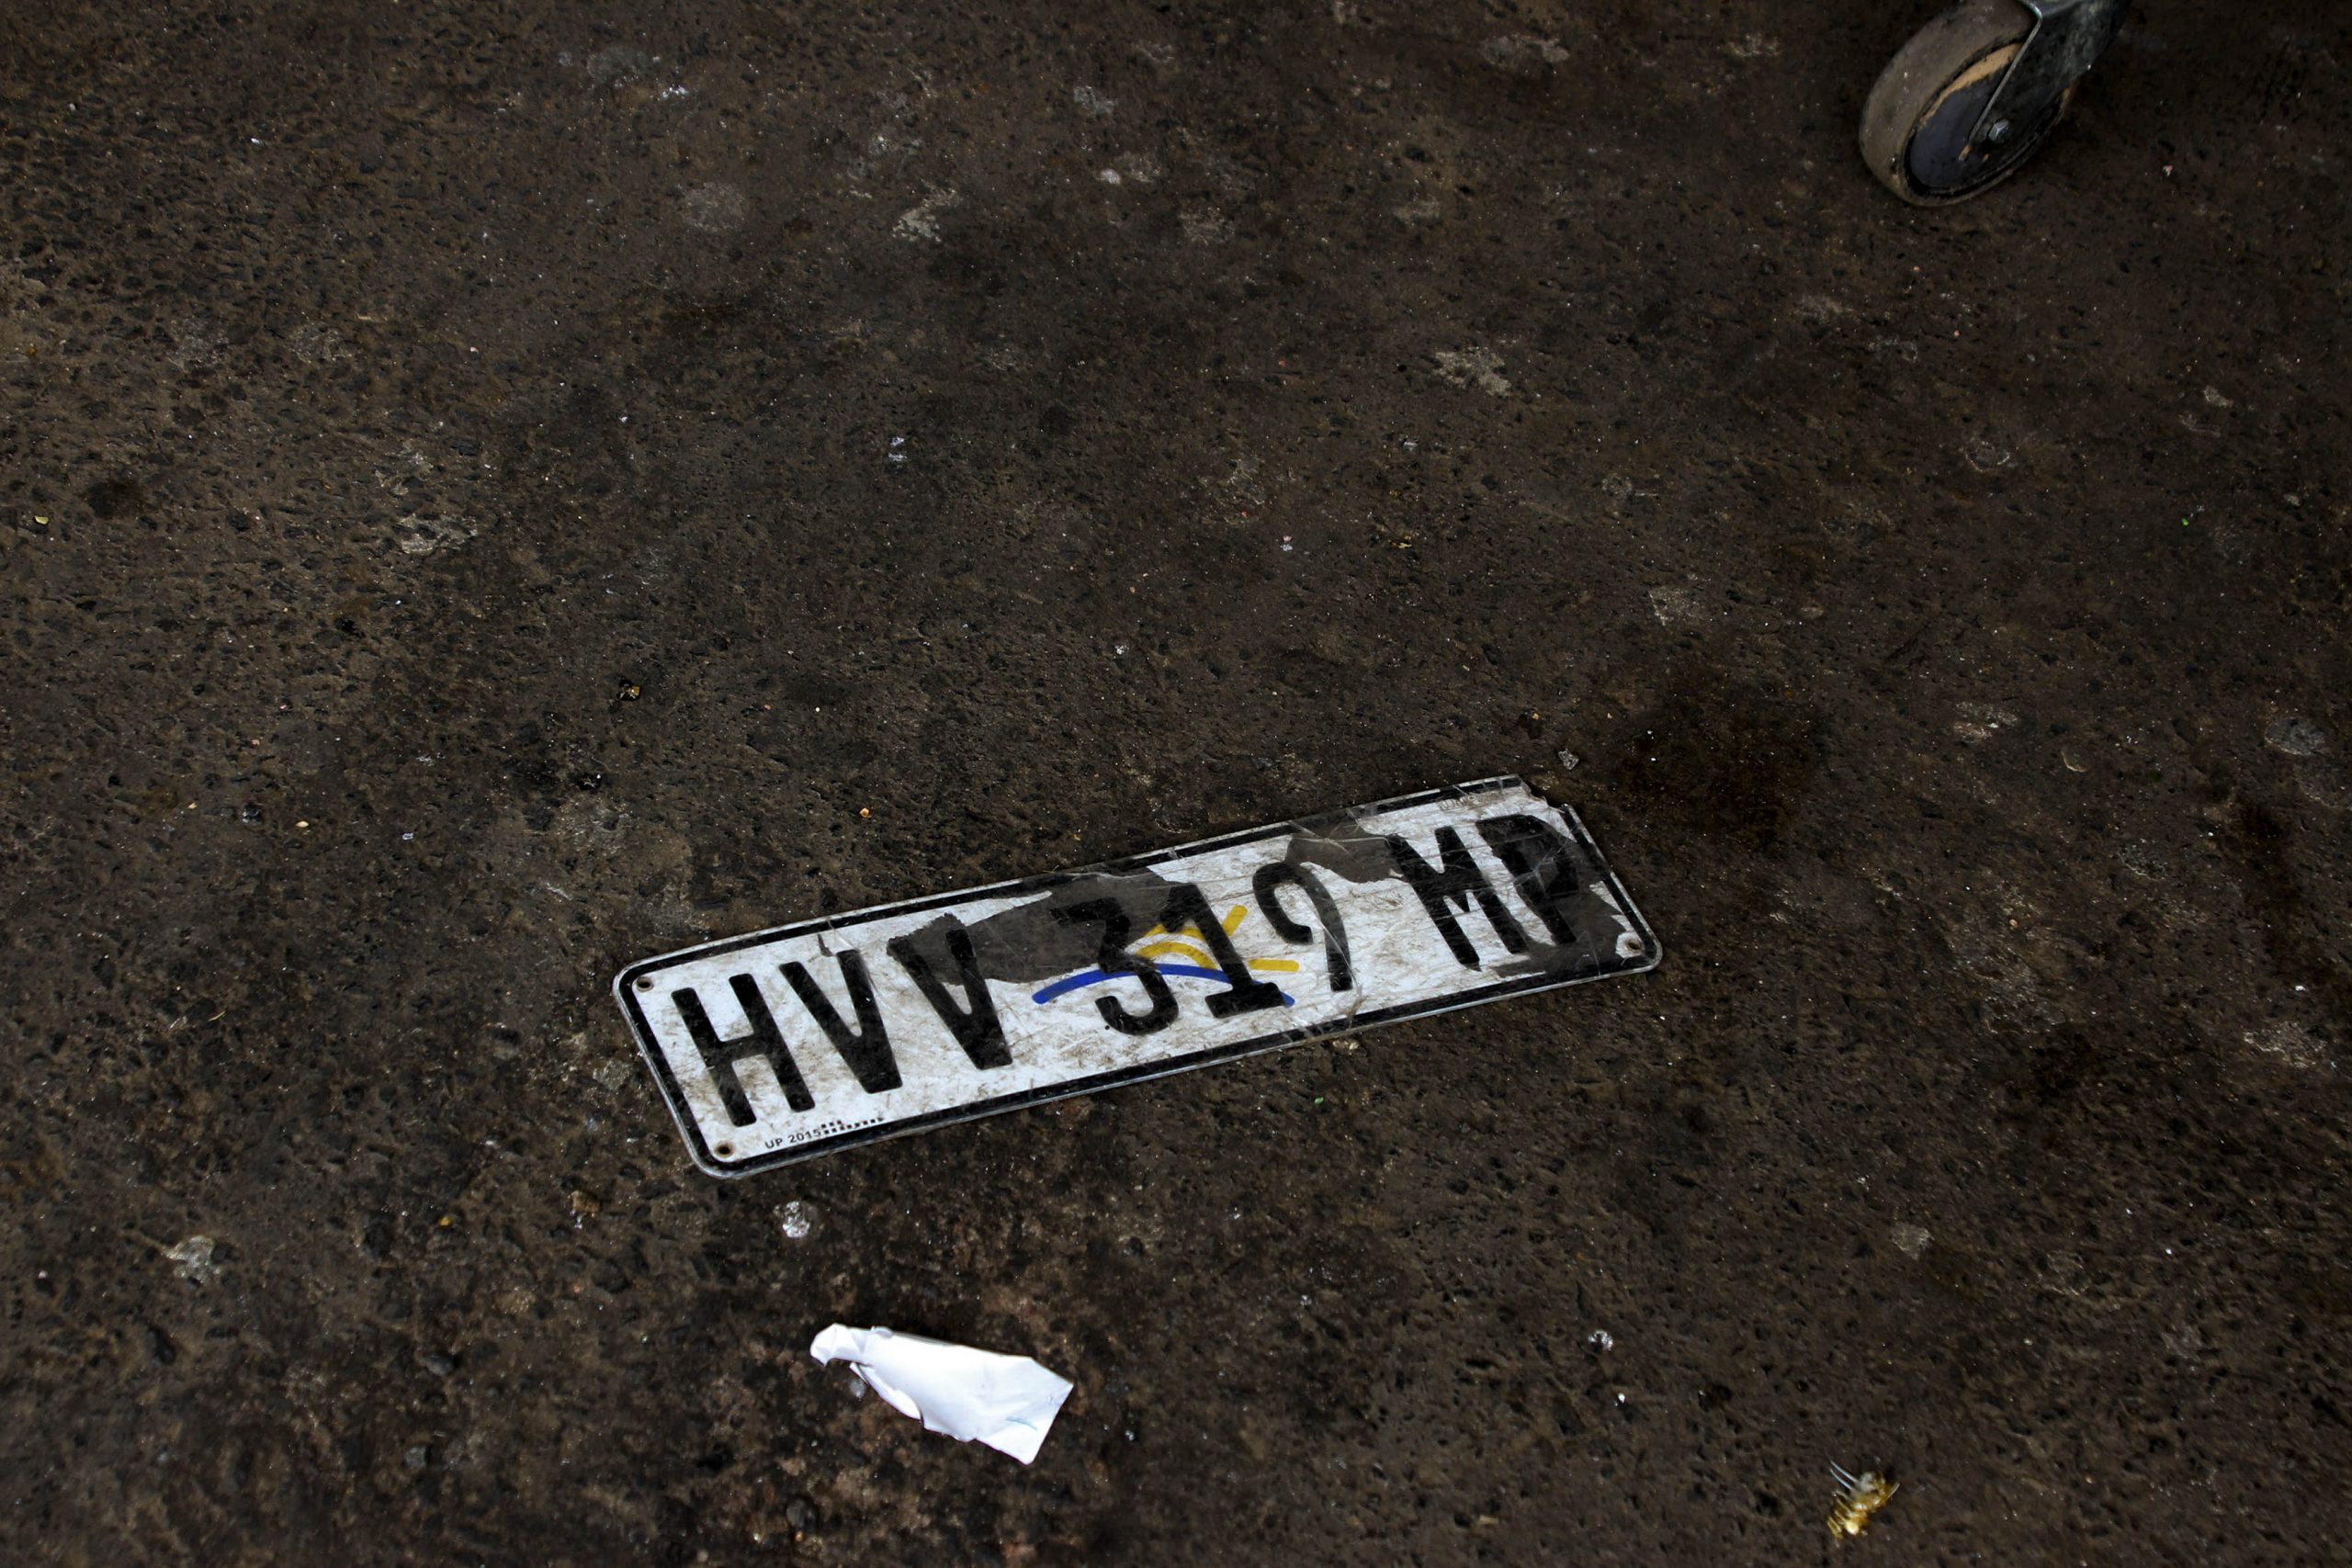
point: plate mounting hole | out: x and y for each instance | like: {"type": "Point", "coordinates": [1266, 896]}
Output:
{"type": "Point", "coordinates": [725, 1151]}
{"type": "Point", "coordinates": [645, 982]}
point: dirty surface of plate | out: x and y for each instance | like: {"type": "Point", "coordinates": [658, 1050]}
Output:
{"type": "Point", "coordinates": [815, 1037]}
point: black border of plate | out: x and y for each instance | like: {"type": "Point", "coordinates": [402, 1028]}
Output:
{"type": "Point", "coordinates": [625, 988]}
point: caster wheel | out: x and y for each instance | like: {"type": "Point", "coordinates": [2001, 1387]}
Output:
{"type": "Point", "coordinates": [1918, 125]}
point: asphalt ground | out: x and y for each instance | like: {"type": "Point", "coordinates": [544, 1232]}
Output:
{"type": "Point", "coordinates": [496, 493]}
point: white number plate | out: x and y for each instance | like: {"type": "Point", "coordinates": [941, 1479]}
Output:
{"type": "Point", "coordinates": [815, 1037]}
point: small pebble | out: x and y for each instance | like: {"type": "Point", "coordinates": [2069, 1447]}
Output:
{"type": "Point", "coordinates": [194, 1257]}
{"type": "Point", "coordinates": [2297, 736]}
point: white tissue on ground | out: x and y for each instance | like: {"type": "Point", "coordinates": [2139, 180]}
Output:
{"type": "Point", "coordinates": [1006, 1402]}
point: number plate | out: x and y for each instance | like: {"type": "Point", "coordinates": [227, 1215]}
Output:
{"type": "Point", "coordinates": [814, 1037]}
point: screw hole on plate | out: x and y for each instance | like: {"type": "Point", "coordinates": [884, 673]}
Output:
{"type": "Point", "coordinates": [645, 982]}
{"type": "Point", "coordinates": [725, 1151]}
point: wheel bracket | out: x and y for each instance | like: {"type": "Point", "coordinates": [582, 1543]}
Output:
{"type": "Point", "coordinates": [2068, 37]}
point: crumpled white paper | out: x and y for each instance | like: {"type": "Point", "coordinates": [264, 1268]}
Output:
{"type": "Point", "coordinates": [1006, 1402]}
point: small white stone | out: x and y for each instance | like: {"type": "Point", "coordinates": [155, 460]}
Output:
{"type": "Point", "coordinates": [1473, 367]}
{"type": "Point", "coordinates": [194, 1257]}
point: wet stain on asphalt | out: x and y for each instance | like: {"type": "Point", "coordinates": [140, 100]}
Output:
{"type": "Point", "coordinates": [1720, 759]}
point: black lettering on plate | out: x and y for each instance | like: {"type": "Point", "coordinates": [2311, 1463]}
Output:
{"type": "Point", "coordinates": [1244, 993]}
{"type": "Point", "coordinates": [719, 1056]}
{"type": "Point", "coordinates": [1542, 866]}
{"type": "Point", "coordinates": [867, 1048]}
{"type": "Point", "coordinates": [1444, 891]}
{"type": "Point", "coordinates": [973, 1021]}
{"type": "Point", "coordinates": [1335, 936]}
{"type": "Point", "coordinates": [1112, 958]}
